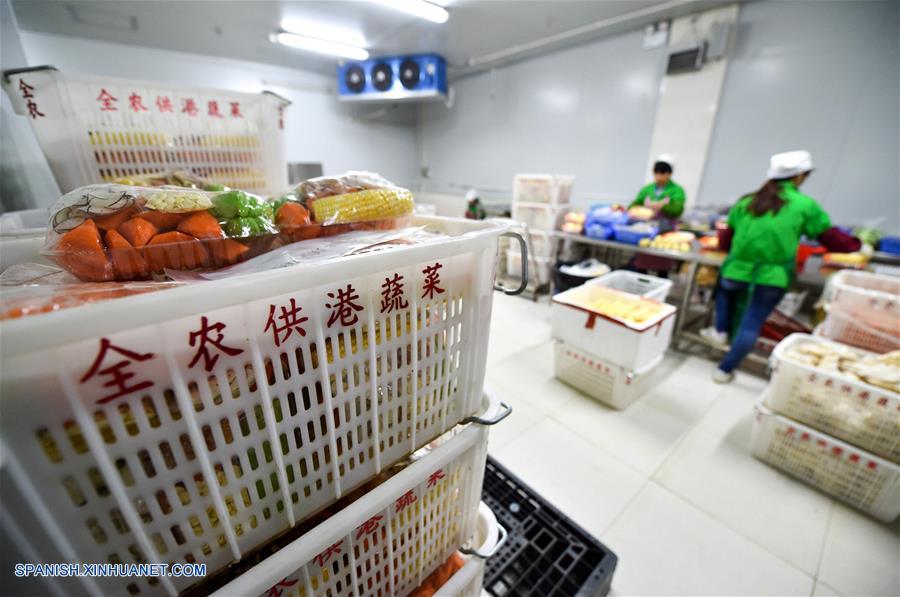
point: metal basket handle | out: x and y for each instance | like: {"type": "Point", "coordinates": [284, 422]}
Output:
{"type": "Point", "coordinates": [500, 542]}
{"type": "Point", "coordinates": [523, 247]}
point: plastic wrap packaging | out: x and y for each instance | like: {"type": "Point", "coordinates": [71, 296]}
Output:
{"type": "Point", "coordinates": [119, 232]}
{"type": "Point", "coordinates": [173, 178]}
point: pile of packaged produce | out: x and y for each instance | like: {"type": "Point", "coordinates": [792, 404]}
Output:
{"type": "Point", "coordinates": [122, 232]}
{"type": "Point", "coordinates": [878, 370]}
{"type": "Point", "coordinates": [670, 241]}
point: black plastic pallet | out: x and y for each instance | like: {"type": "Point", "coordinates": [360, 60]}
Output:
{"type": "Point", "coordinates": [546, 553]}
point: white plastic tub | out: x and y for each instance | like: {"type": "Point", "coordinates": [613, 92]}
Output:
{"type": "Point", "coordinates": [541, 244]}
{"type": "Point", "coordinates": [651, 287]}
{"type": "Point", "coordinates": [871, 299]}
{"type": "Point", "coordinates": [599, 379]}
{"type": "Point", "coordinates": [576, 323]}
{"type": "Point", "coordinates": [234, 430]}
{"type": "Point", "coordinates": [850, 474]}
{"type": "Point", "coordinates": [857, 412]}
{"type": "Point", "coordinates": [390, 540]}
{"type": "Point", "coordinates": [542, 188]}
{"type": "Point", "coordinates": [537, 216]}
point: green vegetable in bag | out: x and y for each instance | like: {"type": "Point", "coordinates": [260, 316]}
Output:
{"type": "Point", "coordinates": [242, 215]}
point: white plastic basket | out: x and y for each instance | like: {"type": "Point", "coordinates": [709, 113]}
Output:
{"type": "Point", "coordinates": [576, 323]}
{"type": "Point", "coordinates": [541, 244]}
{"type": "Point", "coordinates": [542, 188]}
{"type": "Point", "coordinates": [854, 476]}
{"type": "Point", "coordinates": [845, 329]}
{"type": "Point", "coordinates": [651, 287]}
{"type": "Point", "coordinates": [388, 541]}
{"type": "Point", "coordinates": [537, 216]}
{"type": "Point", "coordinates": [227, 449]}
{"type": "Point", "coordinates": [96, 129]}
{"type": "Point", "coordinates": [599, 379]}
{"type": "Point", "coordinates": [871, 299]}
{"type": "Point", "coordinates": [857, 412]}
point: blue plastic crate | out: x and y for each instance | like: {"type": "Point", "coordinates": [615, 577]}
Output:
{"type": "Point", "coordinates": [598, 231]}
{"type": "Point", "coordinates": [890, 244]}
{"type": "Point", "coordinates": [628, 235]}
{"type": "Point", "coordinates": [604, 214]}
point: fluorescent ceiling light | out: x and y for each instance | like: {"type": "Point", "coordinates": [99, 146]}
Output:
{"type": "Point", "coordinates": [321, 46]}
{"type": "Point", "coordinates": [418, 8]}
{"type": "Point", "coordinates": [324, 32]}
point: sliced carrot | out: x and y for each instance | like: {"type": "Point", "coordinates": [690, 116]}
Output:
{"type": "Point", "coordinates": [201, 224]}
{"type": "Point", "coordinates": [114, 220]}
{"type": "Point", "coordinates": [291, 216]}
{"type": "Point", "coordinates": [227, 251]}
{"type": "Point", "coordinates": [138, 231]}
{"type": "Point", "coordinates": [175, 250]}
{"type": "Point", "coordinates": [161, 219]}
{"type": "Point", "coordinates": [80, 251]}
{"type": "Point", "coordinates": [127, 261]}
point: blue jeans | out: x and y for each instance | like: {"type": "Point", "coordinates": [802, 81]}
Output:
{"type": "Point", "coordinates": [759, 306]}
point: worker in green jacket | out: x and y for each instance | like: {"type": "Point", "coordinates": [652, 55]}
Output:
{"type": "Point", "coordinates": [664, 196]}
{"type": "Point", "coordinates": [762, 238]}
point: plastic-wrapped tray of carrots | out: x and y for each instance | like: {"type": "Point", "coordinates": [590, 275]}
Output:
{"type": "Point", "coordinates": [120, 232]}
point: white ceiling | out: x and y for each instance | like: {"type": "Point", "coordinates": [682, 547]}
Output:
{"type": "Point", "coordinates": [240, 29]}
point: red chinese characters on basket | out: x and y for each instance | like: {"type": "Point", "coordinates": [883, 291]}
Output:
{"type": "Point", "coordinates": [407, 499]}
{"type": "Point", "coordinates": [189, 107]}
{"type": "Point", "coordinates": [344, 306]}
{"type": "Point", "coordinates": [212, 108]}
{"type": "Point", "coordinates": [276, 589]}
{"type": "Point", "coordinates": [136, 103]}
{"type": "Point", "coordinates": [120, 378]}
{"type": "Point", "coordinates": [164, 104]}
{"type": "Point", "coordinates": [392, 295]}
{"type": "Point", "coordinates": [207, 338]}
{"type": "Point", "coordinates": [368, 527]}
{"type": "Point", "coordinates": [28, 95]}
{"type": "Point", "coordinates": [323, 557]}
{"type": "Point", "coordinates": [435, 477]}
{"type": "Point", "coordinates": [236, 109]}
{"type": "Point", "coordinates": [432, 281]}
{"type": "Point", "coordinates": [107, 101]}
{"type": "Point", "coordinates": [290, 322]}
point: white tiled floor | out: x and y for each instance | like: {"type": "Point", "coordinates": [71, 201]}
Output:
{"type": "Point", "coordinates": [669, 484]}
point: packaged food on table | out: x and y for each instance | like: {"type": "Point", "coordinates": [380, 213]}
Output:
{"type": "Point", "coordinates": [121, 232]}
{"type": "Point", "coordinates": [174, 178]}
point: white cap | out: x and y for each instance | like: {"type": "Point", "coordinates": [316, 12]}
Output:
{"type": "Point", "coordinates": [664, 157]}
{"type": "Point", "coordinates": [789, 164]}
{"type": "Point", "coordinates": [471, 194]}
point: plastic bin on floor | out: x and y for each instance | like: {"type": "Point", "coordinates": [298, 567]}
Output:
{"type": "Point", "coordinates": [546, 553]}
{"type": "Point", "coordinates": [575, 321]}
{"type": "Point", "coordinates": [613, 385]}
{"type": "Point", "coordinates": [651, 287]}
{"type": "Point", "coordinates": [852, 410]}
{"type": "Point", "coordinates": [850, 474]}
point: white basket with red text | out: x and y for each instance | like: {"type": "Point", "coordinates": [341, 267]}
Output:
{"type": "Point", "coordinates": [388, 541]}
{"type": "Point", "coordinates": [834, 402]}
{"type": "Point", "coordinates": [870, 299]}
{"type": "Point", "coordinates": [98, 129]}
{"type": "Point", "coordinates": [196, 423]}
{"type": "Point", "coordinates": [613, 385]}
{"type": "Point", "coordinates": [855, 476]}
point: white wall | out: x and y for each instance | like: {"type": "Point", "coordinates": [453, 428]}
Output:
{"type": "Point", "coordinates": [822, 76]}
{"type": "Point", "coordinates": [587, 111]}
{"type": "Point", "coordinates": [317, 127]}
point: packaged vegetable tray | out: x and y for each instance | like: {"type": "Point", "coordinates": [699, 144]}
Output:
{"type": "Point", "coordinates": [122, 232]}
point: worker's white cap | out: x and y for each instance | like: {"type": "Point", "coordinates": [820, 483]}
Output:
{"type": "Point", "coordinates": [789, 164]}
{"type": "Point", "coordinates": [471, 194]}
{"type": "Point", "coordinates": [666, 158]}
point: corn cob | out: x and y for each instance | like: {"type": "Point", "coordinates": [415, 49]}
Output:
{"type": "Point", "coordinates": [370, 204]}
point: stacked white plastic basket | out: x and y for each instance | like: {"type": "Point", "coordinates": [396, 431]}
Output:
{"type": "Point", "coordinates": [830, 427]}
{"type": "Point", "coordinates": [198, 423]}
{"type": "Point", "coordinates": [540, 202]}
{"type": "Point", "coordinates": [604, 357]}
{"type": "Point", "coordinates": [863, 311]}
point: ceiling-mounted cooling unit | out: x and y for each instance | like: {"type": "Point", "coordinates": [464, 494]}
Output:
{"type": "Point", "coordinates": [393, 78]}
{"type": "Point", "coordinates": [686, 59]}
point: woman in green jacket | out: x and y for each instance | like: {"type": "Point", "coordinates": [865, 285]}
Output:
{"type": "Point", "coordinates": [664, 196]}
{"type": "Point", "coordinates": [763, 235]}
